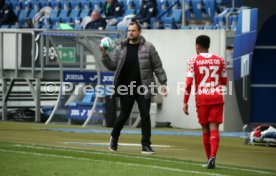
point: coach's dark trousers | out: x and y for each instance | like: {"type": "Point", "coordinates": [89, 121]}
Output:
{"type": "Point", "coordinates": [127, 102]}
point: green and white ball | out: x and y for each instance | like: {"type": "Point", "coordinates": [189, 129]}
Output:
{"type": "Point", "coordinates": [107, 43]}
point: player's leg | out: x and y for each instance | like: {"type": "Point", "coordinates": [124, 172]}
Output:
{"type": "Point", "coordinates": [144, 109]}
{"type": "Point", "coordinates": [206, 140]}
{"type": "Point", "coordinates": [214, 138]}
{"type": "Point", "coordinates": [214, 119]}
{"type": "Point", "coordinates": [203, 112]}
{"type": "Point", "coordinates": [127, 102]}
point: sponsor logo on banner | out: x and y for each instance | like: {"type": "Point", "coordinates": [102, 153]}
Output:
{"type": "Point", "coordinates": [88, 77]}
{"type": "Point", "coordinates": [81, 113]}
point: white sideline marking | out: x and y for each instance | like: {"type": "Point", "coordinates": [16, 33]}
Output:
{"type": "Point", "coordinates": [145, 158]}
{"type": "Point", "coordinates": [120, 144]}
{"type": "Point", "coordinates": [110, 162]}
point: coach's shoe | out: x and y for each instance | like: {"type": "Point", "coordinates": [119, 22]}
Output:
{"type": "Point", "coordinates": [113, 144]}
{"type": "Point", "coordinates": [211, 163]}
{"type": "Point", "coordinates": [147, 150]}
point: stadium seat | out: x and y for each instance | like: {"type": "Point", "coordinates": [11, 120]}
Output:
{"type": "Point", "coordinates": [55, 15]}
{"type": "Point", "coordinates": [75, 12]}
{"type": "Point", "coordinates": [47, 23]}
{"type": "Point", "coordinates": [111, 28]}
{"type": "Point", "coordinates": [97, 5]}
{"type": "Point", "coordinates": [163, 10]}
{"type": "Point", "coordinates": [186, 27]}
{"type": "Point", "coordinates": [122, 28]}
{"type": "Point", "coordinates": [36, 7]}
{"type": "Point", "coordinates": [37, 26]}
{"type": "Point", "coordinates": [87, 5]}
{"type": "Point", "coordinates": [23, 15]}
{"type": "Point", "coordinates": [220, 19]}
{"type": "Point", "coordinates": [177, 4]}
{"type": "Point", "coordinates": [210, 8]}
{"type": "Point", "coordinates": [197, 6]}
{"type": "Point", "coordinates": [130, 12]}
{"type": "Point", "coordinates": [169, 23]}
{"type": "Point", "coordinates": [233, 21]}
{"type": "Point", "coordinates": [46, 27]}
{"type": "Point", "coordinates": [5, 26]}
{"type": "Point", "coordinates": [64, 13]}
{"type": "Point", "coordinates": [177, 15]}
{"type": "Point", "coordinates": [84, 13]}
{"type": "Point", "coordinates": [78, 27]}
{"type": "Point", "coordinates": [88, 99]}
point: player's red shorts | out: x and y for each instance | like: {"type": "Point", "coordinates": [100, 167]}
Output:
{"type": "Point", "coordinates": [210, 114]}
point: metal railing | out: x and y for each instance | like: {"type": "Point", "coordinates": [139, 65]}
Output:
{"type": "Point", "coordinates": [40, 54]}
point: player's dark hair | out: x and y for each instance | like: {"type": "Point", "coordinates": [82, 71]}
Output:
{"type": "Point", "coordinates": [203, 41]}
{"type": "Point", "coordinates": [137, 25]}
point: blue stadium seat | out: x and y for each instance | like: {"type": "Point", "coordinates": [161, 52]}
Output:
{"type": "Point", "coordinates": [177, 15]}
{"type": "Point", "coordinates": [123, 4]}
{"type": "Point", "coordinates": [177, 4]}
{"type": "Point", "coordinates": [14, 26]}
{"type": "Point", "coordinates": [122, 28]}
{"type": "Point", "coordinates": [78, 27]}
{"type": "Point", "coordinates": [169, 23]}
{"type": "Point", "coordinates": [55, 15]}
{"type": "Point", "coordinates": [233, 21]}
{"type": "Point", "coordinates": [87, 5]}
{"type": "Point", "coordinates": [198, 27]}
{"type": "Point", "coordinates": [186, 27]}
{"type": "Point", "coordinates": [134, 3]}
{"type": "Point", "coordinates": [88, 99]}
{"type": "Point", "coordinates": [5, 26]}
{"type": "Point", "coordinates": [210, 27]}
{"type": "Point", "coordinates": [64, 13]}
{"type": "Point", "coordinates": [130, 11]}
{"type": "Point", "coordinates": [46, 27]}
{"type": "Point", "coordinates": [162, 11]}
{"type": "Point", "coordinates": [76, 11]}
{"type": "Point", "coordinates": [220, 19]}
{"type": "Point", "coordinates": [36, 8]}
{"type": "Point", "coordinates": [85, 12]}
{"type": "Point", "coordinates": [97, 5]}
{"type": "Point", "coordinates": [210, 8]}
{"type": "Point", "coordinates": [188, 10]}
{"type": "Point", "coordinates": [47, 22]}
{"type": "Point", "coordinates": [37, 26]}
{"type": "Point", "coordinates": [23, 15]}
{"type": "Point", "coordinates": [111, 28]}
{"type": "Point", "coordinates": [55, 26]}
{"type": "Point", "coordinates": [197, 6]}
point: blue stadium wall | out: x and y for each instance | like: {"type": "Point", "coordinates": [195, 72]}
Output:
{"type": "Point", "coordinates": [244, 42]}
{"type": "Point", "coordinates": [263, 86]}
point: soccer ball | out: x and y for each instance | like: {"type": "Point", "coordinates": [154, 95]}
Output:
{"type": "Point", "coordinates": [107, 43]}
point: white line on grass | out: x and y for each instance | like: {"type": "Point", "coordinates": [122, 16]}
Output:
{"type": "Point", "coordinates": [111, 162]}
{"type": "Point", "coordinates": [145, 158]}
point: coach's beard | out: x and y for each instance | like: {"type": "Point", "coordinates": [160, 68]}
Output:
{"type": "Point", "coordinates": [134, 40]}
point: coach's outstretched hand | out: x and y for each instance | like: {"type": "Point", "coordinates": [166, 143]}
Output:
{"type": "Point", "coordinates": [185, 108]}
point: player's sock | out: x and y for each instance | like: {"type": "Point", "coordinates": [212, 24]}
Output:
{"type": "Point", "coordinates": [206, 143]}
{"type": "Point", "coordinates": [214, 140]}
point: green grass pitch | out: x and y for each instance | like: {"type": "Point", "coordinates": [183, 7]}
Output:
{"type": "Point", "coordinates": [30, 149]}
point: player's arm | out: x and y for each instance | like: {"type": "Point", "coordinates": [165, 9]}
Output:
{"type": "Point", "coordinates": [223, 76]}
{"type": "Point", "coordinates": [110, 63]}
{"type": "Point", "coordinates": [188, 85]}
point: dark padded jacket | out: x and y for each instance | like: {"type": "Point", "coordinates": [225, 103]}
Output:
{"type": "Point", "coordinates": [114, 11]}
{"type": "Point", "coordinates": [7, 15]}
{"type": "Point", "coordinates": [149, 64]}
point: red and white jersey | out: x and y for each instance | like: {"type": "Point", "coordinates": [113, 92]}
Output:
{"type": "Point", "coordinates": [209, 73]}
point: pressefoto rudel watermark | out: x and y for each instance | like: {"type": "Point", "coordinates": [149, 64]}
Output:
{"type": "Point", "coordinates": [51, 88]}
